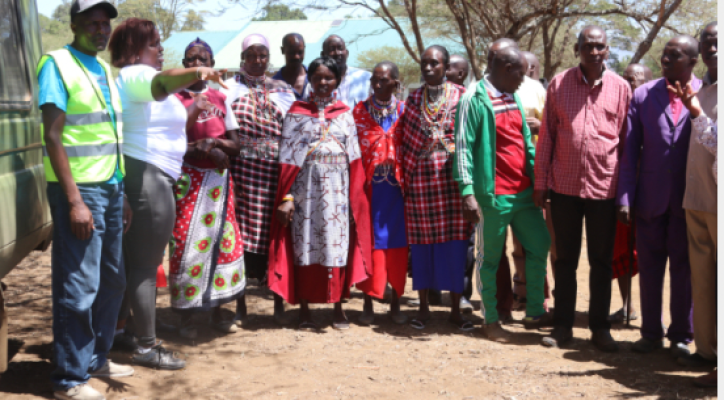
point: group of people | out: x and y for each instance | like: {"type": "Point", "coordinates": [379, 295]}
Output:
{"type": "Point", "coordinates": [320, 179]}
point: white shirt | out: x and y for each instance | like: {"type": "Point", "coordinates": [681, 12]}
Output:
{"type": "Point", "coordinates": [153, 131]}
{"type": "Point", "coordinates": [355, 87]}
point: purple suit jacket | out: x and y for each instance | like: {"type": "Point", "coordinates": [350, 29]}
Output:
{"type": "Point", "coordinates": [652, 175]}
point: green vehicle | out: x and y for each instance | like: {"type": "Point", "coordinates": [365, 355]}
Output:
{"type": "Point", "coordinates": [25, 222]}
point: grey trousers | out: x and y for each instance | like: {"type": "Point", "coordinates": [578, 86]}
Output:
{"type": "Point", "coordinates": [150, 194]}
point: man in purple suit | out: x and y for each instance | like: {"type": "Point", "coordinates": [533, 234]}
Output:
{"type": "Point", "coordinates": [652, 181]}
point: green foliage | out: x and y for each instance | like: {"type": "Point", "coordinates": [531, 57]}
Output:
{"type": "Point", "coordinates": [193, 22]}
{"type": "Point", "coordinates": [409, 69]}
{"type": "Point", "coordinates": [280, 12]}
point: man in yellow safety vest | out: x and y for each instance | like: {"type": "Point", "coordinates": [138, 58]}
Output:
{"type": "Point", "coordinates": [82, 142]}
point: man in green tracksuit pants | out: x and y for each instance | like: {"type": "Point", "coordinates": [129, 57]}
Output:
{"type": "Point", "coordinates": [494, 170]}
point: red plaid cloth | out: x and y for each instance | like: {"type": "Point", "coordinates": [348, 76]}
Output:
{"type": "Point", "coordinates": [433, 206]}
{"type": "Point", "coordinates": [256, 179]}
{"type": "Point", "coordinates": [581, 135]}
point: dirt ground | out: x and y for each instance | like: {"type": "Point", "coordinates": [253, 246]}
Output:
{"type": "Point", "coordinates": [385, 361]}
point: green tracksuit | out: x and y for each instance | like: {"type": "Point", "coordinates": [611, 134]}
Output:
{"type": "Point", "coordinates": [474, 171]}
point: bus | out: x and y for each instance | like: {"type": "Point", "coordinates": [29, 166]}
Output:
{"type": "Point", "coordinates": [25, 222]}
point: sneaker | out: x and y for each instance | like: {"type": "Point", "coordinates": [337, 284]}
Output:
{"type": "Point", "coordinates": [696, 361]}
{"type": "Point", "coordinates": [79, 392]}
{"type": "Point", "coordinates": [603, 340]}
{"type": "Point", "coordinates": [679, 349]}
{"type": "Point", "coordinates": [159, 358]}
{"type": "Point", "coordinates": [495, 332]}
{"type": "Point", "coordinates": [465, 305]}
{"type": "Point", "coordinates": [645, 346]}
{"type": "Point", "coordinates": [558, 337]}
{"type": "Point", "coordinates": [541, 321]}
{"type": "Point", "coordinates": [112, 370]}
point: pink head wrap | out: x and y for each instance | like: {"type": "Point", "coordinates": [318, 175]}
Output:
{"type": "Point", "coordinates": [254, 38]}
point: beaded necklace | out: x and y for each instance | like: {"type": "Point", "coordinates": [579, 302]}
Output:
{"type": "Point", "coordinates": [432, 109]}
{"type": "Point", "coordinates": [259, 103]}
{"type": "Point", "coordinates": [380, 110]}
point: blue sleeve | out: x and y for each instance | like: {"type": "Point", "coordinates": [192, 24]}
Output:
{"type": "Point", "coordinates": [52, 89]}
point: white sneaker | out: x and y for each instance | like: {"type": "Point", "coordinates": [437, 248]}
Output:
{"type": "Point", "coordinates": [80, 392]}
{"type": "Point", "coordinates": [112, 370]}
{"type": "Point", "coordinates": [465, 305]}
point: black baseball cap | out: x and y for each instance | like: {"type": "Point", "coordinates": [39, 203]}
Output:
{"type": "Point", "coordinates": [80, 6]}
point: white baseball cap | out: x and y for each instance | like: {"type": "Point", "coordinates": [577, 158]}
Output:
{"type": "Point", "coordinates": [80, 6]}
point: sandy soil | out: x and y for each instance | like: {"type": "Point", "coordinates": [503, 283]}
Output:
{"type": "Point", "coordinates": [385, 361]}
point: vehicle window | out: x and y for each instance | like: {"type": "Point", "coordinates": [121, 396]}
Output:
{"type": "Point", "coordinates": [14, 86]}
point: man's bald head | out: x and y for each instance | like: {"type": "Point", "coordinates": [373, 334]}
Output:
{"type": "Point", "coordinates": [533, 65]}
{"type": "Point", "coordinates": [458, 70]}
{"type": "Point", "coordinates": [291, 39]}
{"type": "Point", "coordinates": [591, 30]}
{"type": "Point", "coordinates": [330, 39]}
{"type": "Point", "coordinates": [635, 75]}
{"type": "Point", "coordinates": [688, 44]}
{"type": "Point", "coordinates": [500, 44]}
{"type": "Point", "coordinates": [507, 69]}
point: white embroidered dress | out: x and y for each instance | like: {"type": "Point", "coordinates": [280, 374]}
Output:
{"type": "Point", "coordinates": [323, 150]}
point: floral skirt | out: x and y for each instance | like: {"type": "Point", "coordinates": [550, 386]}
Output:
{"type": "Point", "coordinates": [206, 268]}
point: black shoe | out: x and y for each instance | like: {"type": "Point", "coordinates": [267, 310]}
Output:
{"type": "Point", "coordinates": [159, 358]}
{"type": "Point", "coordinates": [558, 337]}
{"type": "Point", "coordinates": [645, 346]}
{"type": "Point", "coordinates": [603, 341]}
{"type": "Point", "coordinates": [124, 342]}
{"type": "Point", "coordinates": [696, 361]}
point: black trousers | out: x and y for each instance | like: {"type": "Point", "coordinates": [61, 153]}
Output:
{"type": "Point", "coordinates": [568, 213]}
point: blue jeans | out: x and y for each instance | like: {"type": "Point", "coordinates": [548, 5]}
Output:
{"type": "Point", "coordinates": [88, 281]}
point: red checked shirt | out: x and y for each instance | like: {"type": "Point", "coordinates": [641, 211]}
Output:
{"type": "Point", "coordinates": [581, 135]}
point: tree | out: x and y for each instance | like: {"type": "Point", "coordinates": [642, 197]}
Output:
{"type": "Point", "coordinates": [409, 69]}
{"type": "Point", "coordinates": [166, 14]}
{"type": "Point", "coordinates": [477, 23]}
{"type": "Point", "coordinates": [280, 12]}
{"type": "Point", "coordinates": [193, 22]}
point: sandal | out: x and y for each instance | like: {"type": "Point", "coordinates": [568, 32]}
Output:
{"type": "Point", "coordinates": [308, 326]}
{"type": "Point", "coordinates": [464, 325]}
{"type": "Point", "coordinates": [418, 324]}
{"type": "Point", "coordinates": [341, 326]}
{"type": "Point", "coordinates": [620, 316]}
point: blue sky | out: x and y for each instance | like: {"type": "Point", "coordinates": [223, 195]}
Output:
{"type": "Point", "coordinates": [232, 17]}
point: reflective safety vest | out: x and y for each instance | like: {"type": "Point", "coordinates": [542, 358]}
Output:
{"type": "Point", "coordinates": [91, 140]}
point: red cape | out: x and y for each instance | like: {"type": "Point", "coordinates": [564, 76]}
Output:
{"type": "Point", "coordinates": [281, 252]}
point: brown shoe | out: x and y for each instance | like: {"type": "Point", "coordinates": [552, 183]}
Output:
{"type": "Point", "coordinates": [496, 333]}
{"type": "Point", "coordinates": [706, 381]}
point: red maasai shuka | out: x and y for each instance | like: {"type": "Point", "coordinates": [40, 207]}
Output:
{"type": "Point", "coordinates": [433, 205]}
{"type": "Point", "coordinates": [377, 146]}
{"type": "Point", "coordinates": [281, 253]}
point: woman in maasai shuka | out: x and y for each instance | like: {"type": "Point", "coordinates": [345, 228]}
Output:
{"type": "Point", "coordinates": [320, 238]}
{"type": "Point", "coordinates": [376, 119]}
{"type": "Point", "coordinates": [207, 253]}
{"type": "Point", "coordinates": [259, 104]}
{"type": "Point", "coordinates": [437, 233]}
